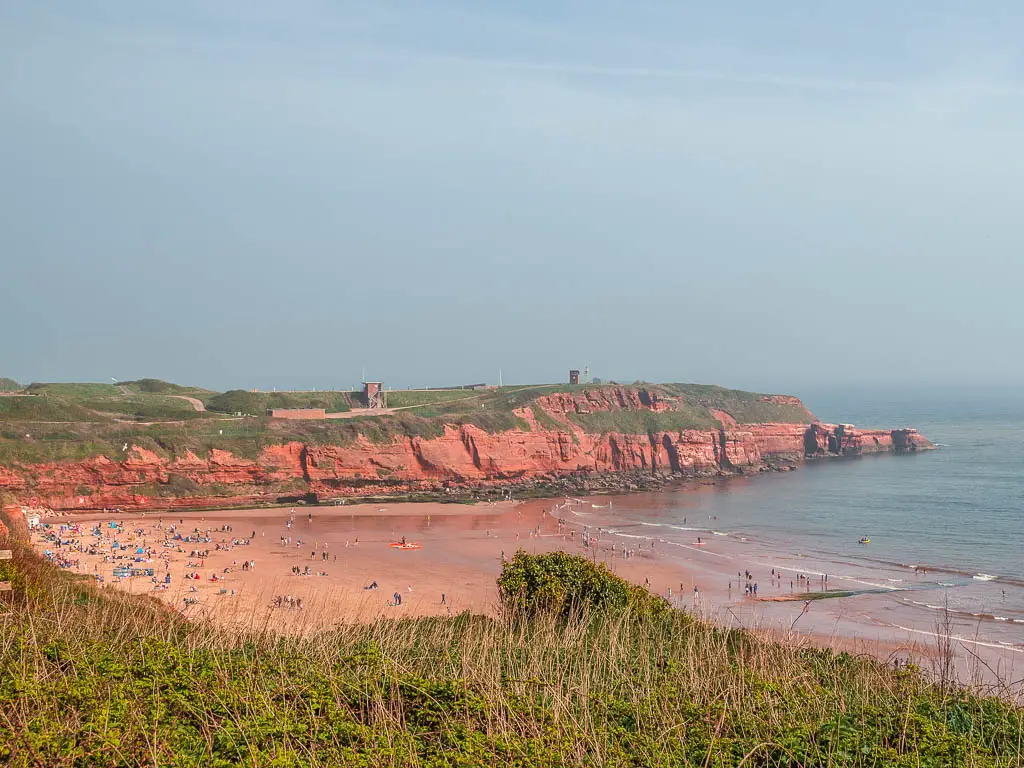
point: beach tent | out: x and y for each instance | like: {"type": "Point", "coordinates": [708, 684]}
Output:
{"type": "Point", "coordinates": [140, 551]}
{"type": "Point", "coordinates": [115, 545]}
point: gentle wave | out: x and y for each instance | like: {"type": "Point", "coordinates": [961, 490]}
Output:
{"type": "Point", "coordinates": [926, 568]}
{"type": "Point", "coordinates": [966, 614]}
{"type": "Point", "coordinates": [966, 640]}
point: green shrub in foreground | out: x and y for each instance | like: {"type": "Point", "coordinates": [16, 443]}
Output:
{"type": "Point", "coordinates": [563, 584]}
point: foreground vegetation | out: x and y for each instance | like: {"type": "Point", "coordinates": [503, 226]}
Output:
{"type": "Point", "coordinates": [582, 670]}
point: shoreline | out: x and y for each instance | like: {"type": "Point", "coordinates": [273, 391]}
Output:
{"type": "Point", "coordinates": [461, 558]}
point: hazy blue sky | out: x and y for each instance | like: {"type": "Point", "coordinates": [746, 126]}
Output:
{"type": "Point", "coordinates": [763, 195]}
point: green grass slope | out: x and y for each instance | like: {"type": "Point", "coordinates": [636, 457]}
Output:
{"type": "Point", "coordinates": [9, 385]}
{"type": "Point", "coordinates": [256, 403]}
{"type": "Point", "coordinates": [745, 407]}
{"type": "Point", "coordinates": [42, 409]}
{"type": "Point", "coordinates": [161, 387]}
{"type": "Point", "coordinates": [582, 670]}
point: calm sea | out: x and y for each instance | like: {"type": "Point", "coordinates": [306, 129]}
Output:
{"type": "Point", "coordinates": [957, 512]}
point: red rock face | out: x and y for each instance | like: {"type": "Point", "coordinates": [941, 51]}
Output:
{"type": "Point", "coordinates": [605, 399]}
{"type": "Point", "coordinates": [463, 455]}
{"type": "Point", "coordinates": [845, 440]}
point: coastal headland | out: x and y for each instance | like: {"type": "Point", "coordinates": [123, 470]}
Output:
{"type": "Point", "coordinates": [150, 445]}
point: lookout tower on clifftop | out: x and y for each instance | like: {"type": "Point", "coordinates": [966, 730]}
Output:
{"type": "Point", "coordinates": [373, 393]}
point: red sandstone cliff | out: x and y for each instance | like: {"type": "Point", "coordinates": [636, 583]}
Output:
{"type": "Point", "coordinates": [463, 456]}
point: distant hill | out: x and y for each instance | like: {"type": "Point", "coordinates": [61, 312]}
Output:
{"type": "Point", "coordinates": [160, 387]}
{"type": "Point", "coordinates": [9, 385]}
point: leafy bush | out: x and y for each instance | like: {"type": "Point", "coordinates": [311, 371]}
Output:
{"type": "Point", "coordinates": [564, 584]}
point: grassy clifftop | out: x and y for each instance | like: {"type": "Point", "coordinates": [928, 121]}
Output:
{"type": "Point", "coordinates": [582, 670]}
{"type": "Point", "coordinates": [73, 421]}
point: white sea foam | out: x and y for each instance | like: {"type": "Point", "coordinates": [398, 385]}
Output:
{"type": "Point", "coordinates": [984, 577]}
{"type": "Point", "coordinates": [965, 640]}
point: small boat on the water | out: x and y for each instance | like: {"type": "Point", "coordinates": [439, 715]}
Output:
{"type": "Point", "coordinates": [864, 540]}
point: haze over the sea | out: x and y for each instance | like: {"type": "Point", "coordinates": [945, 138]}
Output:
{"type": "Point", "coordinates": [239, 194]}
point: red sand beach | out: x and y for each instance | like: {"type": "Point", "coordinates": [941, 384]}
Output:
{"type": "Point", "coordinates": [344, 549]}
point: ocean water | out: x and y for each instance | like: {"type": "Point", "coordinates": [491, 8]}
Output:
{"type": "Point", "coordinates": [956, 513]}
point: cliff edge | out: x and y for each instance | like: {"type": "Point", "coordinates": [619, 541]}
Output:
{"type": "Point", "coordinates": [583, 437]}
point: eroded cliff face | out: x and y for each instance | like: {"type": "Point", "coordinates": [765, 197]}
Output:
{"type": "Point", "coordinates": [464, 456]}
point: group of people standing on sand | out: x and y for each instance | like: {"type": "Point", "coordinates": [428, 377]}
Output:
{"type": "Point", "coordinates": [750, 586]}
{"type": "Point", "coordinates": [287, 601]}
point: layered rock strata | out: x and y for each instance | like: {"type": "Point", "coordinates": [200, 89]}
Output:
{"type": "Point", "coordinates": [464, 457]}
